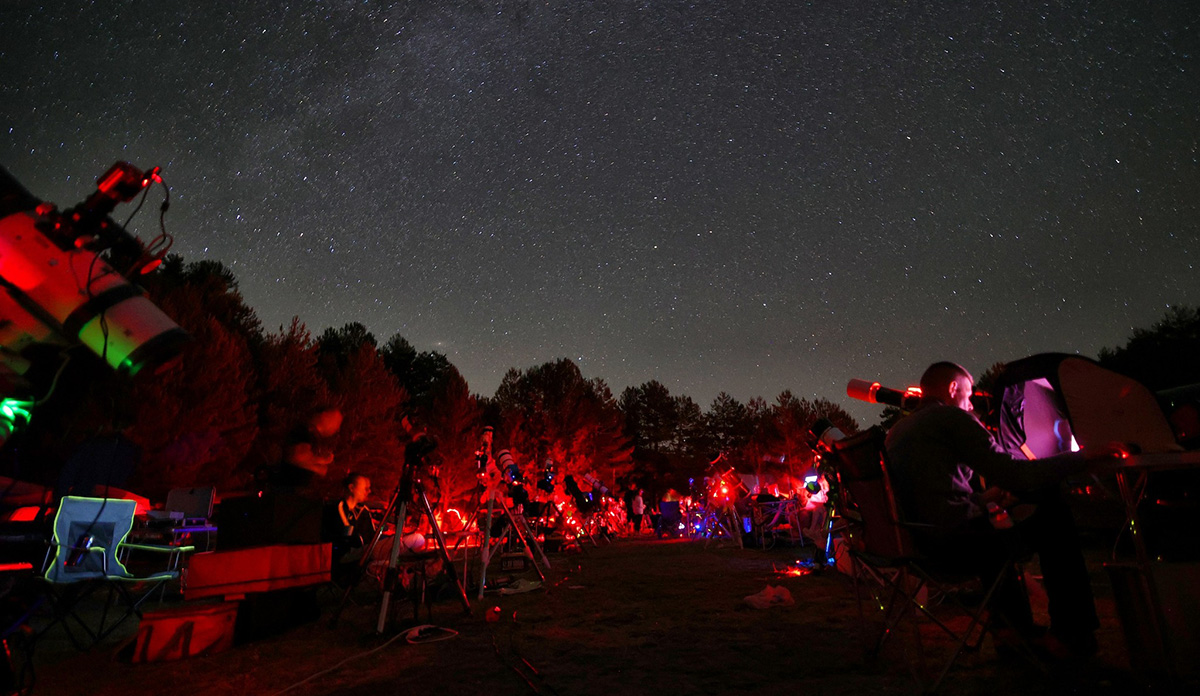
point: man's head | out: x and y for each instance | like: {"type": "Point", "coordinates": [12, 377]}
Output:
{"type": "Point", "coordinates": [948, 383]}
{"type": "Point", "coordinates": [358, 488]}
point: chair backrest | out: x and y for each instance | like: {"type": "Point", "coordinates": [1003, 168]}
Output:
{"type": "Point", "coordinates": [106, 520]}
{"type": "Point", "coordinates": [193, 503]}
{"type": "Point", "coordinates": [866, 494]}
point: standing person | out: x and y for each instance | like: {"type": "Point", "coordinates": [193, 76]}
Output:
{"type": "Point", "coordinates": [937, 456]}
{"type": "Point", "coordinates": [638, 506]}
{"type": "Point", "coordinates": [308, 451]}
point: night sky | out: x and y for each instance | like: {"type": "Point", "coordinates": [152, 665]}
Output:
{"type": "Point", "coordinates": [746, 196]}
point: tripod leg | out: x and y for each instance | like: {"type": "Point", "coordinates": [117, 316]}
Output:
{"type": "Point", "coordinates": [389, 579]}
{"type": "Point", "coordinates": [532, 536]}
{"type": "Point", "coordinates": [519, 531]}
{"type": "Point", "coordinates": [441, 542]}
{"type": "Point", "coordinates": [472, 515]}
{"type": "Point", "coordinates": [828, 534]}
{"type": "Point", "coordinates": [364, 562]}
{"type": "Point", "coordinates": [485, 555]}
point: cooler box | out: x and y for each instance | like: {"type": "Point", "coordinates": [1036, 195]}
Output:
{"type": "Point", "coordinates": [178, 632]}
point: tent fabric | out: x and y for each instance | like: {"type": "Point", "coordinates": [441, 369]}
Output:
{"type": "Point", "coordinates": [1107, 407]}
{"type": "Point", "coordinates": [1033, 418]}
{"type": "Point", "coordinates": [1051, 400]}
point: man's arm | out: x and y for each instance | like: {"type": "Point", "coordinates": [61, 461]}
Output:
{"type": "Point", "coordinates": [979, 451]}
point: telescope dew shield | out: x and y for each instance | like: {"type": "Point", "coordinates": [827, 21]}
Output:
{"type": "Point", "coordinates": [862, 390]}
{"type": "Point", "coordinates": [85, 298]}
{"type": "Point", "coordinates": [874, 393]}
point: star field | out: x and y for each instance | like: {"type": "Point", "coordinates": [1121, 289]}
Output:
{"type": "Point", "coordinates": [739, 196]}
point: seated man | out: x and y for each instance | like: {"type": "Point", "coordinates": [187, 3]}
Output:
{"type": "Point", "coordinates": [937, 454]}
{"type": "Point", "coordinates": [348, 524]}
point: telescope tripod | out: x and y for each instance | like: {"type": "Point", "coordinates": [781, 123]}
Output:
{"type": "Point", "coordinates": [407, 490]}
{"type": "Point", "coordinates": [723, 518]}
{"type": "Point", "coordinates": [519, 526]}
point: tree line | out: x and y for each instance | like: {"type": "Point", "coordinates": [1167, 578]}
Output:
{"type": "Point", "coordinates": [226, 409]}
{"type": "Point", "coordinates": [223, 412]}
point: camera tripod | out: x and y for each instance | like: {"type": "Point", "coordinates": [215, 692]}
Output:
{"type": "Point", "coordinates": [408, 489]}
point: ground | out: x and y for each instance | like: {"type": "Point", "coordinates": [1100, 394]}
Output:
{"type": "Point", "coordinates": [637, 616]}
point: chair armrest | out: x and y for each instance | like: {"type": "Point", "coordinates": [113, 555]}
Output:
{"type": "Point", "coordinates": [154, 548]}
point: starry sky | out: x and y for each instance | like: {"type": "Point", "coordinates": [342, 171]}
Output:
{"type": "Point", "coordinates": [736, 195]}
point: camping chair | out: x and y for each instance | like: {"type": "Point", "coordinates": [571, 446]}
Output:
{"type": "Point", "coordinates": [186, 517]}
{"type": "Point", "coordinates": [881, 547]}
{"type": "Point", "coordinates": [84, 555]}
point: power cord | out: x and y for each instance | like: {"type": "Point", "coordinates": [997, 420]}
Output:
{"type": "Point", "coordinates": [411, 635]}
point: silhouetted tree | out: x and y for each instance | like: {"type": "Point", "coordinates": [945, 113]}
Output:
{"type": "Point", "coordinates": [779, 444]}
{"type": "Point", "coordinates": [217, 289]}
{"type": "Point", "coordinates": [453, 418]}
{"type": "Point", "coordinates": [335, 346]}
{"type": "Point", "coordinates": [652, 416]}
{"type": "Point", "coordinates": [728, 424]}
{"type": "Point", "coordinates": [424, 375]}
{"type": "Point", "coordinates": [1163, 356]}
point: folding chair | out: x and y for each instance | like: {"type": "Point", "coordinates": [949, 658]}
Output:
{"type": "Point", "coordinates": [84, 555]}
{"type": "Point", "coordinates": [881, 547]}
{"type": "Point", "coordinates": [187, 517]}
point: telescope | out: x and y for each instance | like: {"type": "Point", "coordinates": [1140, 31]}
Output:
{"type": "Point", "coordinates": [874, 393]}
{"type": "Point", "coordinates": [508, 467]}
{"type": "Point", "coordinates": [910, 398]}
{"type": "Point", "coordinates": [823, 434]}
{"type": "Point", "coordinates": [546, 482]}
{"type": "Point", "coordinates": [60, 283]}
{"type": "Point", "coordinates": [595, 483]}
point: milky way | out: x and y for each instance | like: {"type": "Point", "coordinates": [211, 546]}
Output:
{"type": "Point", "coordinates": [740, 196]}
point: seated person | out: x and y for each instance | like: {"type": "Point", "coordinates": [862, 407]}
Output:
{"type": "Point", "coordinates": [670, 514]}
{"type": "Point", "coordinates": [348, 524]}
{"type": "Point", "coordinates": [937, 454]}
{"type": "Point", "coordinates": [350, 528]}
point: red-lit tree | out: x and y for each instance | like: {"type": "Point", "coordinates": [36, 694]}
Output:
{"type": "Point", "coordinates": [195, 423]}
{"type": "Point", "coordinates": [372, 402]}
{"type": "Point", "coordinates": [552, 412]}
{"type": "Point", "coordinates": [453, 418]}
{"type": "Point", "coordinates": [290, 388]}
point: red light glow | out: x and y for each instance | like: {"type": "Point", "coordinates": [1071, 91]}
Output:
{"type": "Point", "coordinates": [794, 571]}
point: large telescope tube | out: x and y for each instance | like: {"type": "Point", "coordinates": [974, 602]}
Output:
{"type": "Point", "coordinates": [54, 294]}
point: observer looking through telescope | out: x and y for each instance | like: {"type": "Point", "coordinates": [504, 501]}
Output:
{"type": "Point", "coordinates": [938, 455]}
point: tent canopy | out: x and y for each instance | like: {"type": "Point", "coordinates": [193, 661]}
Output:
{"type": "Point", "coordinates": [1055, 402]}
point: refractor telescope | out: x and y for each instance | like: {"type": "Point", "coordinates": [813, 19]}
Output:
{"type": "Point", "coordinates": [874, 393]}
